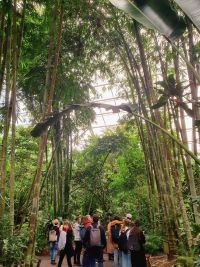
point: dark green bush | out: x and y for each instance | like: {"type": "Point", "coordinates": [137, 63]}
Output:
{"type": "Point", "coordinates": [185, 261]}
{"type": "Point", "coordinates": [154, 244]}
{"type": "Point", "coordinates": [197, 261]}
{"type": "Point", "coordinates": [12, 246]}
{"type": "Point", "coordinates": [42, 232]}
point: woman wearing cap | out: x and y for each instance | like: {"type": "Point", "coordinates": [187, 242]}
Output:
{"type": "Point", "coordinates": [129, 217]}
{"type": "Point", "coordinates": [53, 240]}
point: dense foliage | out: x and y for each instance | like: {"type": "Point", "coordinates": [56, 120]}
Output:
{"type": "Point", "coordinates": [53, 54]}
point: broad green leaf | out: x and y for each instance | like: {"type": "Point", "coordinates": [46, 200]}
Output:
{"type": "Point", "coordinates": [161, 102]}
{"type": "Point", "coordinates": [191, 9]}
{"type": "Point", "coordinates": [154, 15]}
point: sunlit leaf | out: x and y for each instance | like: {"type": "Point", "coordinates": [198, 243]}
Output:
{"type": "Point", "coordinates": [161, 102]}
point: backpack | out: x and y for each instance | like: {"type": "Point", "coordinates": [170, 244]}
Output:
{"type": "Point", "coordinates": [115, 229]}
{"type": "Point", "coordinates": [52, 235]}
{"type": "Point", "coordinates": [134, 243]}
{"type": "Point", "coordinates": [95, 237]}
{"type": "Point", "coordinates": [123, 242]}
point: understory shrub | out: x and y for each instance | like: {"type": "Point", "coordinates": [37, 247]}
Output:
{"type": "Point", "coordinates": [12, 246]}
{"type": "Point", "coordinates": [42, 232]}
{"type": "Point", "coordinates": [197, 261]}
{"type": "Point", "coordinates": [154, 244]}
{"type": "Point", "coordinates": [185, 261]}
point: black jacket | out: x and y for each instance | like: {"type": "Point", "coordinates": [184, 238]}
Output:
{"type": "Point", "coordinates": [69, 247]}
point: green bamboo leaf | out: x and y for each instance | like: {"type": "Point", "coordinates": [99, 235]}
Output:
{"type": "Point", "coordinates": [154, 15]}
{"type": "Point", "coordinates": [191, 9]}
{"type": "Point", "coordinates": [162, 101]}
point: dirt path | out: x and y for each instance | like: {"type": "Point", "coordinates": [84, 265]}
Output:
{"type": "Point", "coordinates": [159, 261]}
{"type": "Point", "coordinates": [45, 262]}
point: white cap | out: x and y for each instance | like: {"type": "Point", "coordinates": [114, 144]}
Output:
{"type": "Point", "coordinates": [128, 216]}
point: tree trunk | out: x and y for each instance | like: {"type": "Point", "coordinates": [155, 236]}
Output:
{"type": "Point", "coordinates": [43, 140]}
{"type": "Point", "coordinates": [67, 170]}
{"type": "Point", "coordinates": [181, 204]}
{"type": "Point", "coordinates": [160, 163]}
{"type": "Point", "coordinates": [6, 123]}
{"type": "Point", "coordinates": [13, 100]}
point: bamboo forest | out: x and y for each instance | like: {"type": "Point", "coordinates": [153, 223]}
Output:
{"type": "Point", "coordinates": [100, 121]}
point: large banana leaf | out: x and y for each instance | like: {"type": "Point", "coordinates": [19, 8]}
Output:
{"type": "Point", "coordinates": [191, 9]}
{"type": "Point", "coordinates": [153, 14]}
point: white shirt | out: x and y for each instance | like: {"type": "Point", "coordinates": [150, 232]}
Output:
{"type": "Point", "coordinates": [124, 230]}
{"type": "Point", "coordinates": [76, 230]}
{"type": "Point", "coordinates": [62, 240]}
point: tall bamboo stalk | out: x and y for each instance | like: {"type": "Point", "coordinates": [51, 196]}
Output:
{"type": "Point", "coordinates": [43, 140]}
{"type": "Point", "coordinates": [7, 117]}
{"type": "Point", "coordinates": [13, 137]}
{"type": "Point", "coordinates": [160, 163]}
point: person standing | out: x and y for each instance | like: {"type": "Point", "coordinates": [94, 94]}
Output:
{"type": "Point", "coordinates": [123, 243]}
{"type": "Point", "coordinates": [77, 241]}
{"type": "Point", "coordinates": [95, 242]}
{"type": "Point", "coordinates": [109, 247]}
{"type": "Point", "coordinates": [115, 230]}
{"type": "Point", "coordinates": [53, 240]}
{"type": "Point", "coordinates": [136, 241]}
{"type": "Point", "coordinates": [87, 222]}
{"type": "Point", "coordinates": [65, 244]}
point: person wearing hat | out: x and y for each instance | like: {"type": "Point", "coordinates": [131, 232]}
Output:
{"type": "Point", "coordinates": [129, 216]}
{"type": "Point", "coordinates": [53, 240]}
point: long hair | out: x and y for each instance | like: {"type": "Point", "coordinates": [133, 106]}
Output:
{"type": "Point", "coordinates": [135, 229]}
{"type": "Point", "coordinates": [70, 226]}
{"type": "Point", "coordinates": [66, 222]}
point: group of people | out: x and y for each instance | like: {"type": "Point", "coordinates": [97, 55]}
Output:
{"type": "Point", "coordinates": [123, 242]}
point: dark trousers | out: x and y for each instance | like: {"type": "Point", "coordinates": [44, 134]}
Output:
{"type": "Point", "coordinates": [95, 254]}
{"type": "Point", "coordinates": [138, 259]}
{"type": "Point", "coordinates": [62, 255]}
{"type": "Point", "coordinates": [85, 260]}
{"type": "Point", "coordinates": [77, 252]}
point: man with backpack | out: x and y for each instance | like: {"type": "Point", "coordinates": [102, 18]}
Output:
{"type": "Point", "coordinates": [95, 242]}
{"type": "Point", "coordinates": [115, 231]}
